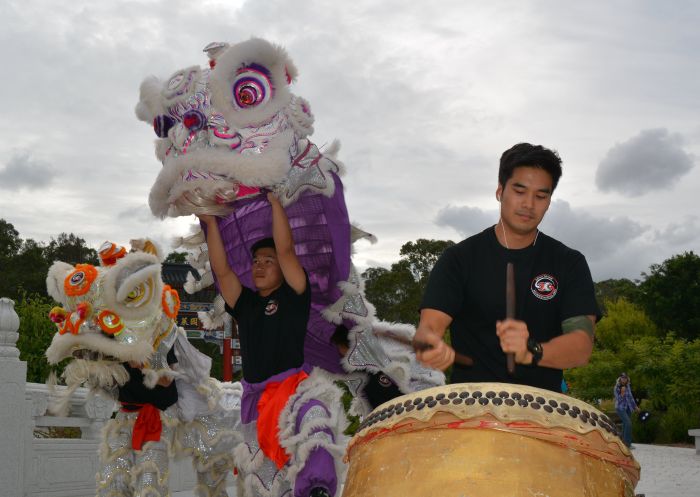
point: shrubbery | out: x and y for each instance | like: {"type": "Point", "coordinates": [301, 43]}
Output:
{"type": "Point", "coordinates": [35, 334]}
{"type": "Point", "coordinates": [663, 370]}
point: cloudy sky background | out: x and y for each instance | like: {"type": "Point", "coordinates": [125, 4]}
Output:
{"type": "Point", "coordinates": [423, 96]}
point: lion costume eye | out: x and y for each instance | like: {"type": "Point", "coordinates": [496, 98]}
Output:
{"type": "Point", "coordinates": [140, 295]}
{"type": "Point", "coordinates": [80, 280]}
{"type": "Point", "coordinates": [252, 87]}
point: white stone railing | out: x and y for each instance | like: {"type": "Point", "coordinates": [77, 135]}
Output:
{"type": "Point", "coordinates": [87, 412]}
{"type": "Point", "coordinates": [63, 466]}
{"type": "Point", "coordinates": [32, 466]}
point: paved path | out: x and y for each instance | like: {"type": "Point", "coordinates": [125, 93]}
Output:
{"type": "Point", "coordinates": [666, 472]}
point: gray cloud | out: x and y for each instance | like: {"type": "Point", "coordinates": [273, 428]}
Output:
{"type": "Point", "coordinates": [466, 220]}
{"type": "Point", "coordinates": [423, 105]}
{"type": "Point", "coordinates": [23, 171]}
{"type": "Point", "coordinates": [595, 236]}
{"type": "Point", "coordinates": [140, 213]}
{"type": "Point", "coordinates": [652, 160]}
{"type": "Point", "coordinates": [680, 233]}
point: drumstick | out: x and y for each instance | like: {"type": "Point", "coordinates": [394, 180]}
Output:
{"type": "Point", "coordinates": [460, 359]}
{"type": "Point", "coordinates": [510, 311]}
{"type": "Point", "coordinates": [419, 346]}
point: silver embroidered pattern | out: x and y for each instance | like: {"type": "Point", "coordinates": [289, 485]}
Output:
{"type": "Point", "coordinates": [322, 435]}
{"type": "Point", "coordinates": [209, 436]}
{"type": "Point", "coordinates": [196, 202]}
{"type": "Point", "coordinates": [354, 385]}
{"type": "Point", "coordinates": [256, 139]}
{"type": "Point", "coordinates": [265, 474]}
{"type": "Point", "coordinates": [160, 357]}
{"type": "Point", "coordinates": [366, 352]}
{"type": "Point", "coordinates": [314, 413]}
{"type": "Point", "coordinates": [119, 464]}
{"type": "Point", "coordinates": [354, 304]}
{"type": "Point", "coordinates": [307, 171]}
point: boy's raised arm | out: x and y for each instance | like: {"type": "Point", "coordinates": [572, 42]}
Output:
{"type": "Point", "coordinates": [229, 284]}
{"type": "Point", "coordinates": [291, 268]}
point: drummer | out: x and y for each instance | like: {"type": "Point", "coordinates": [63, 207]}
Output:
{"type": "Point", "coordinates": [555, 311]}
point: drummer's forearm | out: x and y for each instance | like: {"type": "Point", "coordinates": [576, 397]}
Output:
{"type": "Point", "coordinates": [433, 321]}
{"type": "Point", "coordinates": [567, 351]}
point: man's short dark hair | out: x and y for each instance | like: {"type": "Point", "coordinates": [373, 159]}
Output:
{"type": "Point", "coordinates": [264, 243]}
{"type": "Point", "coordinates": [526, 154]}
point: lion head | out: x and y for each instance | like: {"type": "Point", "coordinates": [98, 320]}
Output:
{"type": "Point", "coordinates": [119, 311]}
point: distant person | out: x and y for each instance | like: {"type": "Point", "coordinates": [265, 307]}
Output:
{"type": "Point", "coordinates": [556, 309]}
{"type": "Point", "coordinates": [625, 405]}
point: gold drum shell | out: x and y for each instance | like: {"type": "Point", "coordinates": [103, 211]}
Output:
{"type": "Point", "coordinates": [488, 440]}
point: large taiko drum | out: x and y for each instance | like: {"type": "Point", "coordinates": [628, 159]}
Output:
{"type": "Point", "coordinates": [488, 440]}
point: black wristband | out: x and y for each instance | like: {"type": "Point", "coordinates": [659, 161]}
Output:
{"type": "Point", "coordinates": [535, 348]}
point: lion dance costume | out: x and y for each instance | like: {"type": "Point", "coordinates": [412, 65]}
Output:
{"type": "Point", "coordinates": [228, 133]}
{"type": "Point", "coordinates": [121, 313]}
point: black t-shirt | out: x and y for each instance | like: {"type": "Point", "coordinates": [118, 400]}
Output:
{"type": "Point", "coordinates": [552, 283]}
{"type": "Point", "coordinates": [272, 330]}
{"type": "Point", "coordinates": [380, 389]}
{"type": "Point", "coordinates": [135, 392]}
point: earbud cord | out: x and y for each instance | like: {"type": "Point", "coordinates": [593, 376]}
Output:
{"type": "Point", "coordinates": [505, 238]}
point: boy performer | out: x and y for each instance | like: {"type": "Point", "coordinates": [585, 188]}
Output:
{"type": "Point", "coordinates": [291, 417]}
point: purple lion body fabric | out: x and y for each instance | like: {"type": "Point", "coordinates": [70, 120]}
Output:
{"type": "Point", "coordinates": [227, 134]}
{"type": "Point", "coordinates": [321, 232]}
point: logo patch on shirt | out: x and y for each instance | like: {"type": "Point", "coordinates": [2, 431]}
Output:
{"type": "Point", "coordinates": [544, 286]}
{"type": "Point", "coordinates": [271, 307]}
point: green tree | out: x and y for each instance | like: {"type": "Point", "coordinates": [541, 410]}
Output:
{"type": "Point", "coordinates": [396, 293]}
{"type": "Point", "coordinates": [70, 248]}
{"type": "Point", "coordinates": [35, 334]}
{"type": "Point", "coordinates": [177, 257]}
{"type": "Point", "coordinates": [25, 271]}
{"type": "Point", "coordinates": [10, 242]}
{"type": "Point", "coordinates": [667, 370]}
{"type": "Point", "coordinates": [612, 290]}
{"type": "Point", "coordinates": [670, 295]}
{"type": "Point", "coordinates": [422, 255]}
{"type": "Point", "coordinates": [30, 269]}
{"type": "Point", "coordinates": [596, 380]}
{"type": "Point", "coordinates": [623, 321]}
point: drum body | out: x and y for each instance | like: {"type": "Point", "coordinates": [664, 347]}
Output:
{"type": "Point", "coordinates": [488, 440]}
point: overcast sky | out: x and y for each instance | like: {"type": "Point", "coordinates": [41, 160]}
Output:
{"type": "Point", "coordinates": [423, 96]}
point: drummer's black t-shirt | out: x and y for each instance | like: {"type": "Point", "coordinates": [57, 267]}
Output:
{"type": "Point", "coordinates": [552, 282]}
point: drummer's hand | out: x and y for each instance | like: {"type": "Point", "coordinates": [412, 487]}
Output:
{"type": "Point", "coordinates": [513, 335]}
{"type": "Point", "coordinates": [440, 356]}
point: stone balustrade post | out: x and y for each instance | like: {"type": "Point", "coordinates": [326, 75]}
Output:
{"type": "Point", "coordinates": [99, 410]}
{"type": "Point", "coordinates": [13, 407]}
